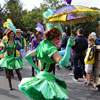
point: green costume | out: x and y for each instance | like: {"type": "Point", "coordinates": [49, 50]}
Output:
{"type": "Point", "coordinates": [10, 60]}
{"type": "Point", "coordinates": [45, 86]}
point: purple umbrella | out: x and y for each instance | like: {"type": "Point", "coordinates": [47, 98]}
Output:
{"type": "Point", "coordinates": [73, 14]}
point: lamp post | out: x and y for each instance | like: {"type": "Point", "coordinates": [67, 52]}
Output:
{"type": "Point", "coordinates": [8, 13]}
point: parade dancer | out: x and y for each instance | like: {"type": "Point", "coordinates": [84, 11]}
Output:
{"type": "Point", "coordinates": [46, 86]}
{"type": "Point", "coordinates": [11, 61]}
{"type": "Point", "coordinates": [35, 43]}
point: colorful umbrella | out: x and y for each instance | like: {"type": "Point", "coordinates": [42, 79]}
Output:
{"type": "Point", "coordinates": [73, 14]}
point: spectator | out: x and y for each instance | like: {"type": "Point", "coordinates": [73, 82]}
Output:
{"type": "Point", "coordinates": [27, 37]}
{"type": "Point", "coordinates": [89, 60]}
{"type": "Point", "coordinates": [93, 35]}
{"type": "Point", "coordinates": [64, 41]}
{"type": "Point", "coordinates": [98, 41]}
{"type": "Point", "coordinates": [79, 49]}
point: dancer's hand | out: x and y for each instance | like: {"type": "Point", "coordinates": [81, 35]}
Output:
{"type": "Point", "coordinates": [70, 42]}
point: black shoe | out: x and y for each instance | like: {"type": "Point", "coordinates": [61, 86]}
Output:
{"type": "Point", "coordinates": [88, 84]}
{"type": "Point", "coordinates": [11, 89]}
{"type": "Point", "coordinates": [85, 82]}
{"type": "Point", "coordinates": [98, 87]}
{"type": "Point", "coordinates": [57, 66]}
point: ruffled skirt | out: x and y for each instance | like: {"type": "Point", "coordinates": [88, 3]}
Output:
{"type": "Point", "coordinates": [45, 86]}
{"type": "Point", "coordinates": [11, 63]}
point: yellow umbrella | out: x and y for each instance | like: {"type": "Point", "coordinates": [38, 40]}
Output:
{"type": "Point", "coordinates": [74, 14]}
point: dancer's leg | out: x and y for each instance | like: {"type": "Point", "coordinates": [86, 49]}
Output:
{"type": "Point", "coordinates": [18, 74]}
{"type": "Point", "coordinates": [8, 72]}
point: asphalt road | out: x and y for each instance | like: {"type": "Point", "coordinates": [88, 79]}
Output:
{"type": "Point", "coordinates": [76, 90]}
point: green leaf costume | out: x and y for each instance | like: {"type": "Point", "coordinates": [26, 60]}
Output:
{"type": "Point", "coordinates": [44, 86]}
{"type": "Point", "coordinates": [11, 61]}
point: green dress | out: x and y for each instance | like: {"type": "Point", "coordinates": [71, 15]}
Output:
{"type": "Point", "coordinates": [44, 86]}
{"type": "Point", "coordinates": [11, 61]}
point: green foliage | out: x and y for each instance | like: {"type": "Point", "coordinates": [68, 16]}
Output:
{"type": "Point", "coordinates": [88, 27]}
{"type": "Point", "coordinates": [27, 20]}
{"type": "Point", "coordinates": [14, 11]}
{"type": "Point", "coordinates": [51, 4]}
{"type": "Point", "coordinates": [31, 18]}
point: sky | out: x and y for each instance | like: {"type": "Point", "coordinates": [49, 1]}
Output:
{"type": "Point", "coordinates": [30, 4]}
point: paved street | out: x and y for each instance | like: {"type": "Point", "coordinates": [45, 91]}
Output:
{"type": "Point", "coordinates": [76, 90]}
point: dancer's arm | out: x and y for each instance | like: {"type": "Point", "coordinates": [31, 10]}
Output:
{"type": "Point", "coordinates": [28, 57]}
{"type": "Point", "coordinates": [63, 61]}
{"type": "Point", "coordinates": [32, 45]}
{"type": "Point", "coordinates": [21, 44]}
{"type": "Point", "coordinates": [3, 51]}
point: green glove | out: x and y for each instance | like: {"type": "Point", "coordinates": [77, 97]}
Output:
{"type": "Point", "coordinates": [64, 61]}
{"type": "Point", "coordinates": [30, 61]}
{"type": "Point", "coordinates": [3, 51]}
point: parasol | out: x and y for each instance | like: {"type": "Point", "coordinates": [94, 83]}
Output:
{"type": "Point", "coordinates": [73, 14]}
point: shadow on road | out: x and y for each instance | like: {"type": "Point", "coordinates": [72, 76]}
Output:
{"type": "Point", "coordinates": [7, 93]}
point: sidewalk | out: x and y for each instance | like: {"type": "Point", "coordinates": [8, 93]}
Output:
{"type": "Point", "coordinates": [77, 90]}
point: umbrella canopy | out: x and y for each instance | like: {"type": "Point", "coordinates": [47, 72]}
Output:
{"type": "Point", "coordinates": [73, 14]}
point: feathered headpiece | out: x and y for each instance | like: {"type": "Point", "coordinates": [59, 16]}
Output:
{"type": "Point", "coordinates": [48, 13]}
{"type": "Point", "coordinates": [40, 28]}
{"type": "Point", "coordinates": [8, 24]}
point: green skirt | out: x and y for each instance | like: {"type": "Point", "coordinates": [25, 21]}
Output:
{"type": "Point", "coordinates": [11, 63]}
{"type": "Point", "coordinates": [45, 86]}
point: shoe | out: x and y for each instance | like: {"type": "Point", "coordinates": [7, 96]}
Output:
{"type": "Point", "coordinates": [10, 88]}
{"type": "Point", "coordinates": [76, 80]}
{"type": "Point", "coordinates": [88, 84]}
{"type": "Point", "coordinates": [98, 87]}
{"type": "Point", "coordinates": [85, 82]}
{"type": "Point", "coordinates": [58, 67]}
{"type": "Point", "coordinates": [71, 74]}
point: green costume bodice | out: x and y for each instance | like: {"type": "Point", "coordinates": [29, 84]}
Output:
{"type": "Point", "coordinates": [44, 52]}
{"type": "Point", "coordinates": [11, 49]}
{"type": "Point", "coordinates": [10, 60]}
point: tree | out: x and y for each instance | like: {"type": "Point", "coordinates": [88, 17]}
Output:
{"type": "Point", "coordinates": [52, 4]}
{"type": "Point", "coordinates": [31, 18]}
{"type": "Point", "coordinates": [14, 11]}
{"type": "Point", "coordinates": [88, 26]}
{"type": "Point", "coordinates": [1, 22]}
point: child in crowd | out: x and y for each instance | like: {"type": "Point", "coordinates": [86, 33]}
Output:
{"type": "Point", "coordinates": [89, 59]}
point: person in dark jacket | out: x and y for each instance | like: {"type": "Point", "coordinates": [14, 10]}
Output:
{"type": "Point", "coordinates": [64, 41]}
{"type": "Point", "coordinates": [98, 41]}
{"type": "Point", "coordinates": [27, 37]}
{"type": "Point", "coordinates": [79, 49]}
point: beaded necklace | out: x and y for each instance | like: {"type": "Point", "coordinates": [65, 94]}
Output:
{"type": "Point", "coordinates": [10, 50]}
